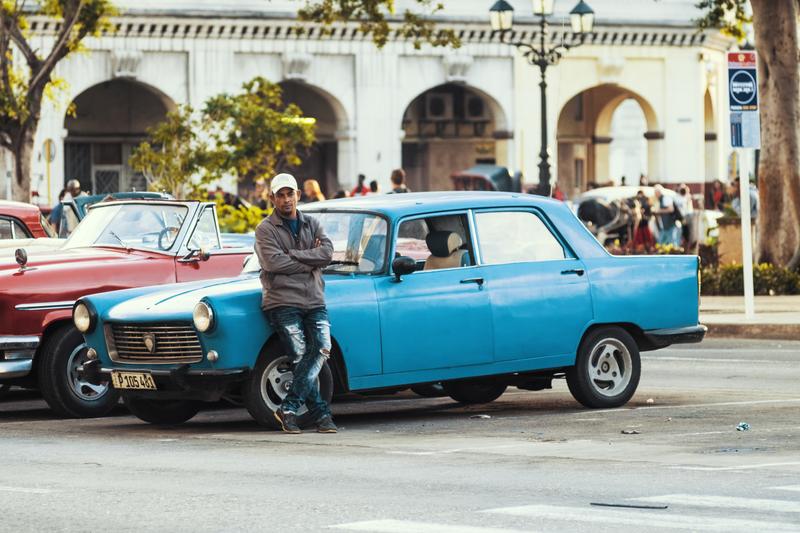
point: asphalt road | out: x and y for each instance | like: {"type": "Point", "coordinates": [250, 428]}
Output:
{"type": "Point", "coordinates": [405, 464]}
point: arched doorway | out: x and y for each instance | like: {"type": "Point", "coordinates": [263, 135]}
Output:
{"type": "Point", "coordinates": [448, 128]}
{"type": "Point", "coordinates": [321, 160]}
{"type": "Point", "coordinates": [110, 120]}
{"type": "Point", "coordinates": [604, 133]}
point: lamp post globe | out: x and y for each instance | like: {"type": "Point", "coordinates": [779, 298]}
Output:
{"type": "Point", "coordinates": [543, 8]}
{"type": "Point", "coordinates": [582, 18]}
{"type": "Point", "coordinates": [501, 16]}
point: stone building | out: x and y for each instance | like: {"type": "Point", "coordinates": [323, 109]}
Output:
{"type": "Point", "coordinates": [432, 111]}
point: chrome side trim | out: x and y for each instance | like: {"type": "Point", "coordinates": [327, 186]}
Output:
{"type": "Point", "coordinates": [45, 306]}
{"type": "Point", "coordinates": [15, 369]}
{"type": "Point", "coordinates": [19, 342]}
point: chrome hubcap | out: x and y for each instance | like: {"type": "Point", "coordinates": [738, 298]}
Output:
{"type": "Point", "coordinates": [610, 367]}
{"type": "Point", "coordinates": [83, 389]}
{"type": "Point", "coordinates": [276, 382]}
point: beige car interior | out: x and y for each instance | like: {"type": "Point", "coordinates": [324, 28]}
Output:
{"type": "Point", "coordinates": [445, 250]}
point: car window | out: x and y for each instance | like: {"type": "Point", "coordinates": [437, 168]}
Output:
{"type": "Point", "coordinates": [49, 230]}
{"type": "Point", "coordinates": [515, 236]}
{"type": "Point", "coordinates": [436, 242]}
{"type": "Point", "coordinates": [359, 241]}
{"type": "Point", "coordinates": [205, 233]}
{"type": "Point", "coordinates": [5, 229]}
{"type": "Point", "coordinates": [20, 231]}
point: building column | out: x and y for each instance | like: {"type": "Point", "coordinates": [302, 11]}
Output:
{"type": "Point", "coordinates": [602, 156]}
{"type": "Point", "coordinates": [346, 158]}
{"type": "Point", "coordinates": [655, 151]}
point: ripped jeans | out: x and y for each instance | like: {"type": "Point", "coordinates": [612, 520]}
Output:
{"type": "Point", "coordinates": [306, 336]}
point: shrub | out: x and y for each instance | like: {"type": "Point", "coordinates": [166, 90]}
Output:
{"type": "Point", "coordinates": [241, 220]}
{"type": "Point", "coordinates": [768, 279]}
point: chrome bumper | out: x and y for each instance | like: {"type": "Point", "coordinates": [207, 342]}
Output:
{"type": "Point", "coordinates": [16, 355]}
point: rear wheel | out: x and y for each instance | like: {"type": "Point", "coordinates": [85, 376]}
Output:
{"type": "Point", "coordinates": [429, 390]}
{"type": "Point", "coordinates": [607, 369]}
{"type": "Point", "coordinates": [63, 389]}
{"type": "Point", "coordinates": [163, 412]}
{"type": "Point", "coordinates": [474, 391]}
{"type": "Point", "coordinates": [270, 382]}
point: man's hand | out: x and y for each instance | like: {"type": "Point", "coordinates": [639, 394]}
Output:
{"type": "Point", "coordinates": [317, 243]}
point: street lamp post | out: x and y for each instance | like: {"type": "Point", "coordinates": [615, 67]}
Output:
{"type": "Point", "coordinates": [539, 54]}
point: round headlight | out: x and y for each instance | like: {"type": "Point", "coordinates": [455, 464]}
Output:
{"type": "Point", "coordinates": [82, 317]}
{"type": "Point", "coordinates": [203, 317]}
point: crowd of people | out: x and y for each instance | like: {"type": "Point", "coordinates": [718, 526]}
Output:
{"type": "Point", "coordinates": [311, 191]}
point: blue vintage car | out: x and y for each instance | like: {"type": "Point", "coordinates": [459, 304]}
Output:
{"type": "Point", "coordinates": [476, 290]}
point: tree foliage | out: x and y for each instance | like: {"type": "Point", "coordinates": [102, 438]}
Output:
{"type": "Point", "coordinates": [26, 72]}
{"type": "Point", "coordinates": [730, 16]}
{"type": "Point", "coordinates": [374, 16]}
{"type": "Point", "coordinates": [249, 134]}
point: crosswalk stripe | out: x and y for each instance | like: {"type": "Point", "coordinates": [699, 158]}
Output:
{"type": "Point", "coordinates": [407, 526]}
{"type": "Point", "coordinates": [725, 502]}
{"type": "Point", "coordinates": [25, 490]}
{"type": "Point", "coordinates": [794, 488]}
{"type": "Point", "coordinates": [645, 518]}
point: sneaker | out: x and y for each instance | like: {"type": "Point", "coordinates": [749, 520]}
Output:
{"type": "Point", "coordinates": [288, 421]}
{"type": "Point", "coordinates": [326, 425]}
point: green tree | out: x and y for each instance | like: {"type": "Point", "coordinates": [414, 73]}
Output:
{"type": "Point", "coordinates": [776, 41]}
{"type": "Point", "coordinates": [374, 16]}
{"type": "Point", "coordinates": [177, 157]}
{"type": "Point", "coordinates": [249, 134]}
{"type": "Point", "coordinates": [255, 133]}
{"type": "Point", "coordinates": [26, 74]}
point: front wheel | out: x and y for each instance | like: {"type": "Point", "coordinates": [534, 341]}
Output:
{"type": "Point", "coordinates": [474, 391]}
{"type": "Point", "coordinates": [63, 389]}
{"type": "Point", "coordinates": [162, 412]}
{"type": "Point", "coordinates": [607, 369]}
{"type": "Point", "coordinates": [270, 382]}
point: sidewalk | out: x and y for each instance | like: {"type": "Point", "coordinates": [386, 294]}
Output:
{"type": "Point", "coordinates": [776, 317]}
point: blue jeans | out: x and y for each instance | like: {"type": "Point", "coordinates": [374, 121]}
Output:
{"type": "Point", "coordinates": [670, 235]}
{"type": "Point", "coordinates": [306, 336]}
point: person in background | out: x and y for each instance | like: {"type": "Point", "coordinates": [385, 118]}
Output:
{"type": "Point", "coordinates": [373, 187]}
{"type": "Point", "coordinates": [341, 193]}
{"type": "Point", "coordinates": [686, 205]}
{"type": "Point", "coordinates": [669, 232]}
{"type": "Point", "coordinates": [260, 194]}
{"type": "Point", "coordinates": [74, 188]}
{"type": "Point", "coordinates": [312, 191]}
{"type": "Point", "coordinates": [54, 218]}
{"type": "Point", "coordinates": [398, 179]}
{"type": "Point", "coordinates": [643, 180]}
{"type": "Point", "coordinates": [736, 199]}
{"type": "Point", "coordinates": [715, 197]}
{"type": "Point", "coordinates": [642, 236]}
{"type": "Point", "coordinates": [558, 194]}
{"type": "Point", "coordinates": [360, 189]}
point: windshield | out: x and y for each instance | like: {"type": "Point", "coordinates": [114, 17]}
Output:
{"type": "Point", "coordinates": [149, 227]}
{"type": "Point", "coordinates": [359, 243]}
{"type": "Point", "coordinates": [48, 229]}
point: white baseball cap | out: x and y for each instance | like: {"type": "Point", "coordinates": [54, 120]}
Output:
{"type": "Point", "coordinates": [282, 181]}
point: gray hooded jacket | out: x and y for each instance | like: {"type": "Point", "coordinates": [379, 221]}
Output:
{"type": "Point", "coordinates": [292, 267]}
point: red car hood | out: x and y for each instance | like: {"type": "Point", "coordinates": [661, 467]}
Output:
{"type": "Point", "coordinates": [43, 258]}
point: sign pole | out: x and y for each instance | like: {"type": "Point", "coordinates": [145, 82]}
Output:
{"type": "Point", "coordinates": [745, 133]}
{"type": "Point", "coordinates": [747, 239]}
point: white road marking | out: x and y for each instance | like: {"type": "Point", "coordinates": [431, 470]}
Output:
{"type": "Point", "coordinates": [689, 406]}
{"type": "Point", "coordinates": [794, 488]}
{"type": "Point", "coordinates": [406, 526]}
{"type": "Point", "coordinates": [728, 468]}
{"type": "Point", "coordinates": [760, 430]}
{"type": "Point", "coordinates": [458, 450]}
{"type": "Point", "coordinates": [725, 502]}
{"type": "Point", "coordinates": [646, 519]}
{"type": "Point", "coordinates": [25, 490]}
{"type": "Point", "coordinates": [714, 360]}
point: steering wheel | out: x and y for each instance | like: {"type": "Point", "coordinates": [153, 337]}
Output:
{"type": "Point", "coordinates": [172, 232]}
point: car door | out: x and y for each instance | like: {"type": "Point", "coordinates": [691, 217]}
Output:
{"type": "Point", "coordinates": [434, 318]}
{"type": "Point", "coordinates": [539, 290]}
{"type": "Point", "coordinates": [204, 236]}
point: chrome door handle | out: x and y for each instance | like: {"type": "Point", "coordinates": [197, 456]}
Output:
{"type": "Point", "coordinates": [479, 281]}
{"type": "Point", "coordinates": [578, 271]}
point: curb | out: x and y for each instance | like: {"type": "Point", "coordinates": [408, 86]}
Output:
{"type": "Point", "coordinates": [787, 332]}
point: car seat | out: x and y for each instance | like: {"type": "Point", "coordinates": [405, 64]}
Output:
{"type": "Point", "coordinates": [446, 252]}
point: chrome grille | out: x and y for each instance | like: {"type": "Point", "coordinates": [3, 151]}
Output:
{"type": "Point", "coordinates": [175, 343]}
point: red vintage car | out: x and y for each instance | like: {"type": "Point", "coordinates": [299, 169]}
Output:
{"type": "Point", "coordinates": [23, 221]}
{"type": "Point", "coordinates": [119, 245]}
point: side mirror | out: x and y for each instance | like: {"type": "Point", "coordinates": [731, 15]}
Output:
{"type": "Point", "coordinates": [402, 266]}
{"type": "Point", "coordinates": [203, 254]}
{"type": "Point", "coordinates": [195, 256]}
{"type": "Point", "coordinates": [21, 257]}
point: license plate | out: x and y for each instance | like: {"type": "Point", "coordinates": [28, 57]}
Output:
{"type": "Point", "coordinates": [132, 380]}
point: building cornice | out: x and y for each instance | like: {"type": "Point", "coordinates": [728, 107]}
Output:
{"type": "Point", "coordinates": [263, 25]}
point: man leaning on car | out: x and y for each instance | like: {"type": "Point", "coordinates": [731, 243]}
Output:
{"type": "Point", "coordinates": [293, 249]}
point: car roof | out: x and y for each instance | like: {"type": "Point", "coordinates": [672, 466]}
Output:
{"type": "Point", "coordinates": [621, 191]}
{"type": "Point", "coordinates": [399, 205]}
{"type": "Point", "coordinates": [20, 206]}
